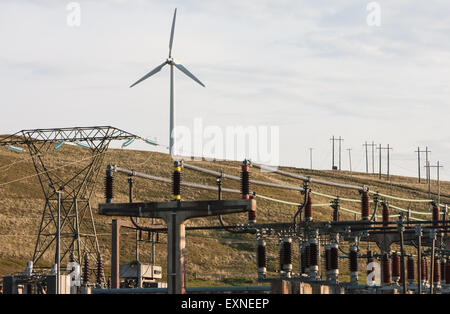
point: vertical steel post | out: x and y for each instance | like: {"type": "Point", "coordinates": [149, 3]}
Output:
{"type": "Point", "coordinates": [418, 160]}
{"type": "Point", "coordinates": [367, 159]}
{"type": "Point", "coordinates": [388, 177]}
{"type": "Point", "coordinates": [402, 256]}
{"type": "Point", "coordinates": [115, 254]}
{"type": "Point", "coordinates": [433, 248]}
{"type": "Point", "coordinates": [58, 244]}
{"type": "Point", "coordinates": [419, 259]}
{"type": "Point", "coordinates": [332, 154]}
{"type": "Point", "coordinates": [379, 169]}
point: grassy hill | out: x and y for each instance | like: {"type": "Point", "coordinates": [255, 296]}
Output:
{"type": "Point", "coordinates": [213, 257]}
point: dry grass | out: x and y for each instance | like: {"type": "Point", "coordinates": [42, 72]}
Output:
{"type": "Point", "coordinates": [213, 257]}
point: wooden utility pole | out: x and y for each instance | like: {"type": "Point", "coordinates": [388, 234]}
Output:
{"type": "Point", "coordinates": [340, 140]}
{"type": "Point", "coordinates": [373, 156]}
{"type": "Point", "coordinates": [350, 158]}
{"type": "Point", "coordinates": [437, 166]}
{"type": "Point", "coordinates": [388, 170]}
{"type": "Point", "coordinates": [367, 158]}
{"type": "Point", "coordinates": [311, 157]}
{"type": "Point", "coordinates": [332, 152]}
{"type": "Point", "coordinates": [418, 151]}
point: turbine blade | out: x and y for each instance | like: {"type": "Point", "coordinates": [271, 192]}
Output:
{"type": "Point", "coordinates": [186, 71]}
{"type": "Point", "coordinates": [154, 71]}
{"type": "Point", "coordinates": [171, 32]}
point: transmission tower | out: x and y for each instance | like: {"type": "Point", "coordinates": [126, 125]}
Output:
{"type": "Point", "coordinates": [77, 229]}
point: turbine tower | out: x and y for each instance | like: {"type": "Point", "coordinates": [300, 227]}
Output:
{"type": "Point", "coordinates": [171, 61]}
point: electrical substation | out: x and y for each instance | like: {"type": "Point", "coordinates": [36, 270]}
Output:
{"type": "Point", "coordinates": [421, 265]}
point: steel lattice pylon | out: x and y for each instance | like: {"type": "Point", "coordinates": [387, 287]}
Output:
{"type": "Point", "coordinates": [78, 232]}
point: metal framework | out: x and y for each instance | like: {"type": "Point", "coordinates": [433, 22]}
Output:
{"type": "Point", "coordinates": [78, 232]}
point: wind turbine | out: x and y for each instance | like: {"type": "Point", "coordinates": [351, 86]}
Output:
{"type": "Point", "coordinates": [171, 61]}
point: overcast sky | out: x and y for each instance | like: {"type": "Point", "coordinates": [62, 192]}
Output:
{"type": "Point", "coordinates": [313, 68]}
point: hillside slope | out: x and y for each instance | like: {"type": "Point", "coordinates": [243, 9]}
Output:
{"type": "Point", "coordinates": [213, 257]}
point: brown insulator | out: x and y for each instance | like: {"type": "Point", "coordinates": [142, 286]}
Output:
{"type": "Point", "coordinates": [313, 253]}
{"type": "Point", "coordinates": [423, 269]}
{"type": "Point", "coordinates": [396, 271]}
{"type": "Point", "coordinates": [308, 207]}
{"type": "Point", "coordinates": [140, 235]}
{"type": "Point", "coordinates": [435, 209]}
{"type": "Point", "coordinates": [157, 238]}
{"type": "Point", "coordinates": [447, 272]}
{"type": "Point", "coordinates": [437, 271]}
{"type": "Point", "coordinates": [86, 270]}
{"type": "Point", "coordinates": [245, 180]}
{"type": "Point", "coordinates": [411, 269]}
{"type": "Point", "coordinates": [385, 214]}
{"type": "Point", "coordinates": [334, 257]}
{"type": "Point", "coordinates": [252, 216]}
{"type": "Point", "coordinates": [261, 254]}
{"type": "Point", "coordinates": [365, 209]}
{"type": "Point", "coordinates": [353, 259]}
{"type": "Point", "coordinates": [100, 270]}
{"type": "Point", "coordinates": [387, 277]}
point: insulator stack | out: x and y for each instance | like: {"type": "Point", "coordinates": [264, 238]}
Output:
{"type": "Point", "coordinates": [245, 180]}
{"type": "Point", "coordinates": [396, 268]}
{"type": "Point", "coordinates": [109, 184]}
{"type": "Point", "coordinates": [387, 275]}
{"type": "Point", "coordinates": [176, 181]}
{"type": "Point", "coordinates": [100, 270]}
{"type": "Point", "coordinates": [353, 264]}
{"type": "Point", "coordinates": [262, 259]}
{"type": "Point", "coordinates": [365, 209]}
{"type": "Point", "coordinates": [334, 262]}
{"type": "Point", "coordinates": [435, 209]}
{"type": "Point", "coordinates": [447, 273]}
{"type": "Point", "coordinates": [411, 269]}
{"type": "Point", "coordinates": [314, 257]}
{"type": "Point", "coordinates": [336, 214]}
{"type": "Point", "coordinates": [385, 213]}
{"type": "Point", "coordinates": [252, 217]}
{"type": "Point", "coordinates": [308, 207]}
{"type": "Point", "coordinates": [307, 257]}
{"type": "Point", "coordinates": [437, 272]}
{"type": "Point", "coordinates": [423, 270]}
{"type": "Point", "coordinates": [287, 255]}
{"type": "Point", "coordinates": [86, 270]}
